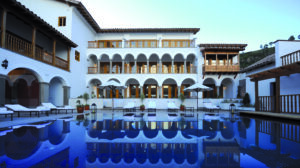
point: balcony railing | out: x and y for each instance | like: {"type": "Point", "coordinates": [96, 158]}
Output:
{"type": "Point", "coordinates": [18, 45]}
{"type": "Point", "coordinates": [221, 68]}
{"type": "Point", "coordinates": [290, 58]}
{"type": "Point", "coordinates": [92, 70]}
{"type": "Point", "coordinates": [23, 47]}
{"type": "Point", "coordinates": [287, 103]}
{"type": "Point", "coordinates": [132, 70]}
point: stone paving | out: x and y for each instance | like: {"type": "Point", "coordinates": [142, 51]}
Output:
{"type": "Point", "coordinates": [161, 115]}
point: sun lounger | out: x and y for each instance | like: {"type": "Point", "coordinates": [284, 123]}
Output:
{"type": "Point", "coordinates": [21, 109]}
{"type": "Point", "coordinates": [210, 107]}
{"type": "Point", "coordinates": [58, 109]}
{"type": "Point", "coordinates": [129, 107]}
{"type": "Point", "coordinates": [151, 106]}
{"type": "Point", "coordinates": [172, 107]}
{"type": "Point", "coordinates": [4, 111]}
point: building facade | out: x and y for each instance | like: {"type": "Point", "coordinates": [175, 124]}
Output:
{"type": "Point", "coordinates": [68, 54]}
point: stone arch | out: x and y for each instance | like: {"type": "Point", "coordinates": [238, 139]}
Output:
{"type": "Point", "coordinates": [186, 83]}
{"type": "Point", "coordinates": [92, 60]}
{"type": "Point", "coordinates": [25, 88]}
{"type": "Point", "coordinates": [129, 63]}
{"type": "Point", "coordinates": [169, 88]}
{"type": "Point", "coordinates": [227, 86]}
{"type": "Point", "coordinates": [150, 88]}
{"type": "Point", "coordinates": [133, 88]}
{"type": "Point", "coordinates": [166, 61]}
{"type": "Point", "coordinates": [191, 64]}
{"type": "Point", "coordinates": [178, 63]}
{"type": "Point", "coordinates": [210, 82]}
{"type": "Point", "coordinates": [153, 63]}
{"type": "Point", "coordinates": [141, 62]}
{"type": "Point", "coordinates": [104, 64]}
{"type": "Point", "coordinates": [94, 88]}
{"type": "Point", "coordinates": [117, 64]}
{"type": "Point", "coordinates": [104, 58]}
{"type": "Point", "coordinates": [56, 91]}
{"type": "Point", "coordinates": [178, 57]}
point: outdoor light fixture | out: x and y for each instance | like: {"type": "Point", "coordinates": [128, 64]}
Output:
{"type": "Point", "coordinates": [4, 63]}
{"type": "Point", "coordinates": [94, 108]}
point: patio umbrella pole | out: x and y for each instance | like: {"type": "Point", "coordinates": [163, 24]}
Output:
{"type": "Point", "coordinates": [197, 101]}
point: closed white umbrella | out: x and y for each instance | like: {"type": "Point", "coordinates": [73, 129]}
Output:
{"type": "Point", "coordinates": [113, 85]}
{"type": "Point", "coordinates": [197, 87]}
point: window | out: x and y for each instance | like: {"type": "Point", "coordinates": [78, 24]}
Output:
{"type": "Point", "coordinates": [77, 56]}
{"type": "Point", "coordinates": [133, 44]}
{"type": "Point", "coordinates": [140, 44]}
{"type": "Point", "coordinates": [166, 44]}
{"type": "Point", "coordinates": [153, 44]}
{"type": "Point", "coordinates": [172, 43]}
{"type": "Point", "coordinates": [62, 21]}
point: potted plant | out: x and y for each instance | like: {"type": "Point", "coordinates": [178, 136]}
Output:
{"type": "Point", "coordinates": [182, 98]}
{"type": "Point", "coordinates": [79, 107]}
{"type": "Point", "coordinates": [86, 98]}
{"type": "Point", "coordinates": [142, 106]}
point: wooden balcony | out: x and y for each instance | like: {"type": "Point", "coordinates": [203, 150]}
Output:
{"type": "Point", "coordinates": [287, 103]}
{"type": "Point", "coordinates": [290, 58]}
{"type": "Point", "coordinates": [92, 70]}
{"type": "Point", "coordinates": [23, 47]}
{"type": "Point", "coordinates": [131, 70]}
{"type": "Point", "coordinates": [221, 68]}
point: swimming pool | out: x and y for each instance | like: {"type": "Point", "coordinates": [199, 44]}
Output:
{"type": "Point", "coordinates": [206, 140]}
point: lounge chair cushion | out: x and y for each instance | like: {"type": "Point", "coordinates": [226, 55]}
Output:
{"type": "Point", "coordinates": [3, 110]}
{"type": "Point", "coordinates": [171, 105]}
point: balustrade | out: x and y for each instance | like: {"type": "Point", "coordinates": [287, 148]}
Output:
{"type": "Point", "coordinates": [288, 103]}
{"type": "Point", "coordinates": [142, 69]}
{"type": "Point", "coordinates": [290, 58]}
{"type": "Point", "coordinates": [221, 68]}
{"type": "Point", "coordinates": [22, 46]}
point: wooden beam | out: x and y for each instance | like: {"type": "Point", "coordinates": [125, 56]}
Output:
{"type": "Point", "coordinates": [256, 96]}
{"type": "Point", "coordinates": [3, 27]}
{"type": "Point", "coordinates": [235, 75]}
{"type": "Point", "coordinates": [33, 41]}
{"type": "Point", "coordinates": [53, 51]}
{"type": "Point", "coordinates": [277, 98]}
{"type": "Point", "coordinates": [68, 59]}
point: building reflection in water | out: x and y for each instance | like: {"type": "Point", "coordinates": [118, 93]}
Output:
{"type": "Point", "coordinates": [212, 141]}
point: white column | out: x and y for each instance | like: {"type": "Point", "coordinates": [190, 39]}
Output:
{"type": "Point", "coordinates": [184, 66]}
{"type": "Point", "coordinates": [148, 68]}
{"type": "Point", "coordinates": [160, 66]}
{"type": "Point", "coordinates": [99, 66]}
{"type": "Point", "coordinates": [178, 90]}
{"type": "Point", "coordinates": [123, 67]}
{"type": "Point", "coordinates": [44, 92]}
{"type": "Point", "coordinates": [123, 43]}
{"type": "Point", "coordinates": [172, 66]}
{"type": "Point", "coordinates": [159, 91]}
{"type": "Point", "coordinates": [159, 42]}
{"type": "Point", "coordinates": [218, 90]}
{"type": "Point", "coordinates": [135, 66]}
{"type": "Point", "coordinates": [110, 66]}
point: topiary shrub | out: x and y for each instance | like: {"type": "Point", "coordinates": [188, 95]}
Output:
{"type": "Point", "coordinates": [246, 100]}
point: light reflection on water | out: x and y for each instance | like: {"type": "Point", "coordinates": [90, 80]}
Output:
{"type": "Point", "coordinates": [206, 141]}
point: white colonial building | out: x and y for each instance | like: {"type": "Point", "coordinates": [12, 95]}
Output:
{"type": "Point", "coordinates": [273, 82]}
{"type": "Point", "coordinates": [60, 55]}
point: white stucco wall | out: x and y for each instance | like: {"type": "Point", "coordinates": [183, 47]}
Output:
{"type": "Point", "coordinates": [284, 47]}
{"type": "Point", "coordinates": [50, 10]}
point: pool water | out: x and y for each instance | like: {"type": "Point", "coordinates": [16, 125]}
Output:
{"type": "Point", "coordinates": [205, 140]}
